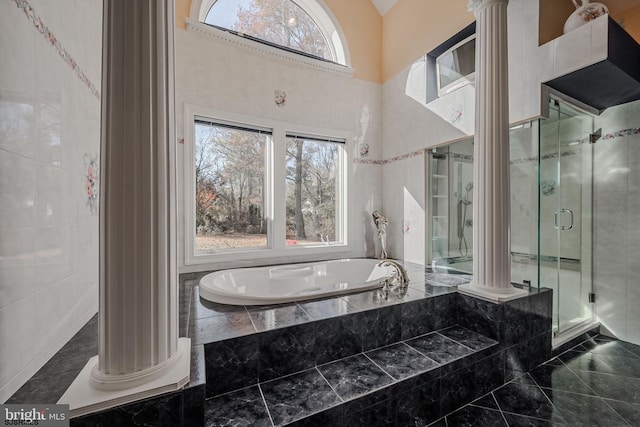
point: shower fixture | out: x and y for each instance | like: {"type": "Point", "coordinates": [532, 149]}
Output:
{"type": "Point", "coordinates": [462, 219]}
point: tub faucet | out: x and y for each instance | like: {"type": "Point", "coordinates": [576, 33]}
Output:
{"type": "Point", "coordinates": [400, 274]}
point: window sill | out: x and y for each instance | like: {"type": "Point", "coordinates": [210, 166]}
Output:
{"type": "Point", "coordinates": [250, 258]}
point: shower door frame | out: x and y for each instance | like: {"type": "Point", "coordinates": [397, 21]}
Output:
{"type": "Point", "coordinates": [562, 334]}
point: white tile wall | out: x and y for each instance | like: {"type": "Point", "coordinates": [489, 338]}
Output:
{"type": "Point", "coordinates": [220, 75]}
{"type": "Point", "coordinates": [404, 205]}
{"type": "Point", "coordinates": [48, 239]}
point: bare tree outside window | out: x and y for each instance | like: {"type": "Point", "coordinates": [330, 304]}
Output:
{"type": "Point", "coordinates": [281, 22]}
{"type": "Point", "coordinates": [311, 194]}
{"type": "Point", "coordinates": [229, 177]}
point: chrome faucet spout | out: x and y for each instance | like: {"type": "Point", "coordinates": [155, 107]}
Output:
{"type": "Point", "coordinates": [401, 272]}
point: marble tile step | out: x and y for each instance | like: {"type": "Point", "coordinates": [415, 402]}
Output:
{"type": "Point", "coordinates": [384, 386]}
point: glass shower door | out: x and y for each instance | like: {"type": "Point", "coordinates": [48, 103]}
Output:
{"type": "Point", "coordinates": [565, 213]}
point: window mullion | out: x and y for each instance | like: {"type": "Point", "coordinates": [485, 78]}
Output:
{"type": "Point", "coordinates": [279, 189]}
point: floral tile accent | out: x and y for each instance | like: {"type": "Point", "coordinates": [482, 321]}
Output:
{"type": "Point", "coordinates": [93, 175]}
{"type": "Point", "coordinates": [55, 43]}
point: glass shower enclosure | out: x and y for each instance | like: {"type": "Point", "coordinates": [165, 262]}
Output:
{"type": "Point", "coordinates": [551, 206]}
{"type": "Point", "coordinates": [565, 220]}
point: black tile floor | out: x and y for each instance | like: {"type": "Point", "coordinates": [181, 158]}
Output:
{"type": "Point", "coordinates": [596, 383]}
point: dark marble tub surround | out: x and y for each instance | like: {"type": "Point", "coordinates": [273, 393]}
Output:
{"type": "Point", "coordinates": [265, 318]}
{"type": "Point", "coordinates": [401, 360]}
{"type": "Point", "coordinates": [194, 393]}
{"type": "Point", "coordinates": [299, 395]}
{"type": "Point", "coordinates": [522, 327]}
{"type": "Point", "coordinates": [244, 407]}
{"type": "Point", "coordinates": [440, 348]}
{"type": "Point", "coordinates": [287, 350]}
{"type": "Point", "coordinates": [358, 390]}
{"type": "Point", "coordinates": [446, 359]}
{"type": "Point", "coordinates": [427, 315]}
{"type": "Point", "coordinates": [208, 322]}
{"type": "Point", "coordinates": [231, 364]}
{"type": "Point", "coordinates": [354, 376]}
{"type": "Point", "coordinates": [473, 340]}
{"type": "Point", "coordinates": [444, 279]}
{"type": "Point", "coordinates": [282, 351]}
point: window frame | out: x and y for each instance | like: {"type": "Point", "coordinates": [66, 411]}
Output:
{"type": "Point", "coordinates": [274, 191]}
{"type": "Point", "coordinates": [460, 82]}
{"type": "Point", "coordinates": [316, 9]}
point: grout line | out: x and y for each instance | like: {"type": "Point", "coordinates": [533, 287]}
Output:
{"type": "Point", "coordinates": [502, 415]}
{"type": "Point", "coordinates": [313, 319]}
{"type": "Point", "coordinates": [229, 392]}
{"type": "Point", "coordinates": [340, 360]}
{"type": "Point", "coordinates": [526, 416]}
{"type": "Point", "coordinates": [496, 400]}
{"type": "Point", "coordinates": [545, 396]}
{"type": "Point", "coordinates": [329, 384]}
{"type": "Point", "coordinates": [350, 303]}
{"type": "Point", "coordinates": [264, 401]}
{"type": "Point", "coordinates": [581, 380]}
{"type": "Point", "coordinates": [438, 365]}
{"type": "Point", "coordinates": [251, 319]}
{"type": "Point", "coordinates": [382, 369]}
{"type": "Point", "coordinates": [616, 412]}
{"type": "Point", "coordinates": [466, 346]}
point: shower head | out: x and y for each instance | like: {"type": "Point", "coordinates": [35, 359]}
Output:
{"type": "Point", "coordinates": [469, 187]}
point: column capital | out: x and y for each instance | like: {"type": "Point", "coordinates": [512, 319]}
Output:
{"type": "Point", "coordinates": [476, 6]}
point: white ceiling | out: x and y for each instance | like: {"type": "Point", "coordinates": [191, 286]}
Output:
{"type": "Point", "coordinates": [383, 6]}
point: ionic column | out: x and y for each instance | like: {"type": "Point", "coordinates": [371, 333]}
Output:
{"type": "Point", "coordinates": [491, 193]}
{"type": "Point", "coordinates": [140, 354]}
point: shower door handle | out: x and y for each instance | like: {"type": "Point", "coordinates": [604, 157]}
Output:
{"type": "Point", "coordinates": [555, 219]}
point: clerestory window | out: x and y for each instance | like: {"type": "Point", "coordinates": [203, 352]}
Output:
{"type": "Point", "coordinates": [300, 26]}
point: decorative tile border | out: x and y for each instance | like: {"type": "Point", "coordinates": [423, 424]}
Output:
{"type": "Point", "coordinates": [27, 9]}
{"type": "Point", "coordinates": [621, 133]}
{"type": "Point", "coordinates": [612, 135]}
{"type": "Point", "coordinates": [391, 160]}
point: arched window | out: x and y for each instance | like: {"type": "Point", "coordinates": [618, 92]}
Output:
{"type": "Point", "coordinates": [301, 26]}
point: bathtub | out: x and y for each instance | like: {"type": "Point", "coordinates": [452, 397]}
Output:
{"type": "Point", "coordinates": [294, 282]}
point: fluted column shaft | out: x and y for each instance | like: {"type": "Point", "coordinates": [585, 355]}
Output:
{"type": "Point", "coordinates": [138, 268]}
{"type": "Point", "coordinates": [491, 192]}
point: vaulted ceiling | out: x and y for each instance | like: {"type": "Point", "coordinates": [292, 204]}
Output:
{"type": "Point", "coordinates": [383, 6]}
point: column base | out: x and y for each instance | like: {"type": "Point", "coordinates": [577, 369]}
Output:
{"type": "Point", "coordinates": [84, 398]}
{"type": "Point", "coordinates": [492, 294]}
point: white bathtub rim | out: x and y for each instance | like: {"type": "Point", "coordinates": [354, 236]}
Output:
{"type": "Point", "coordinates": [222, 296]}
